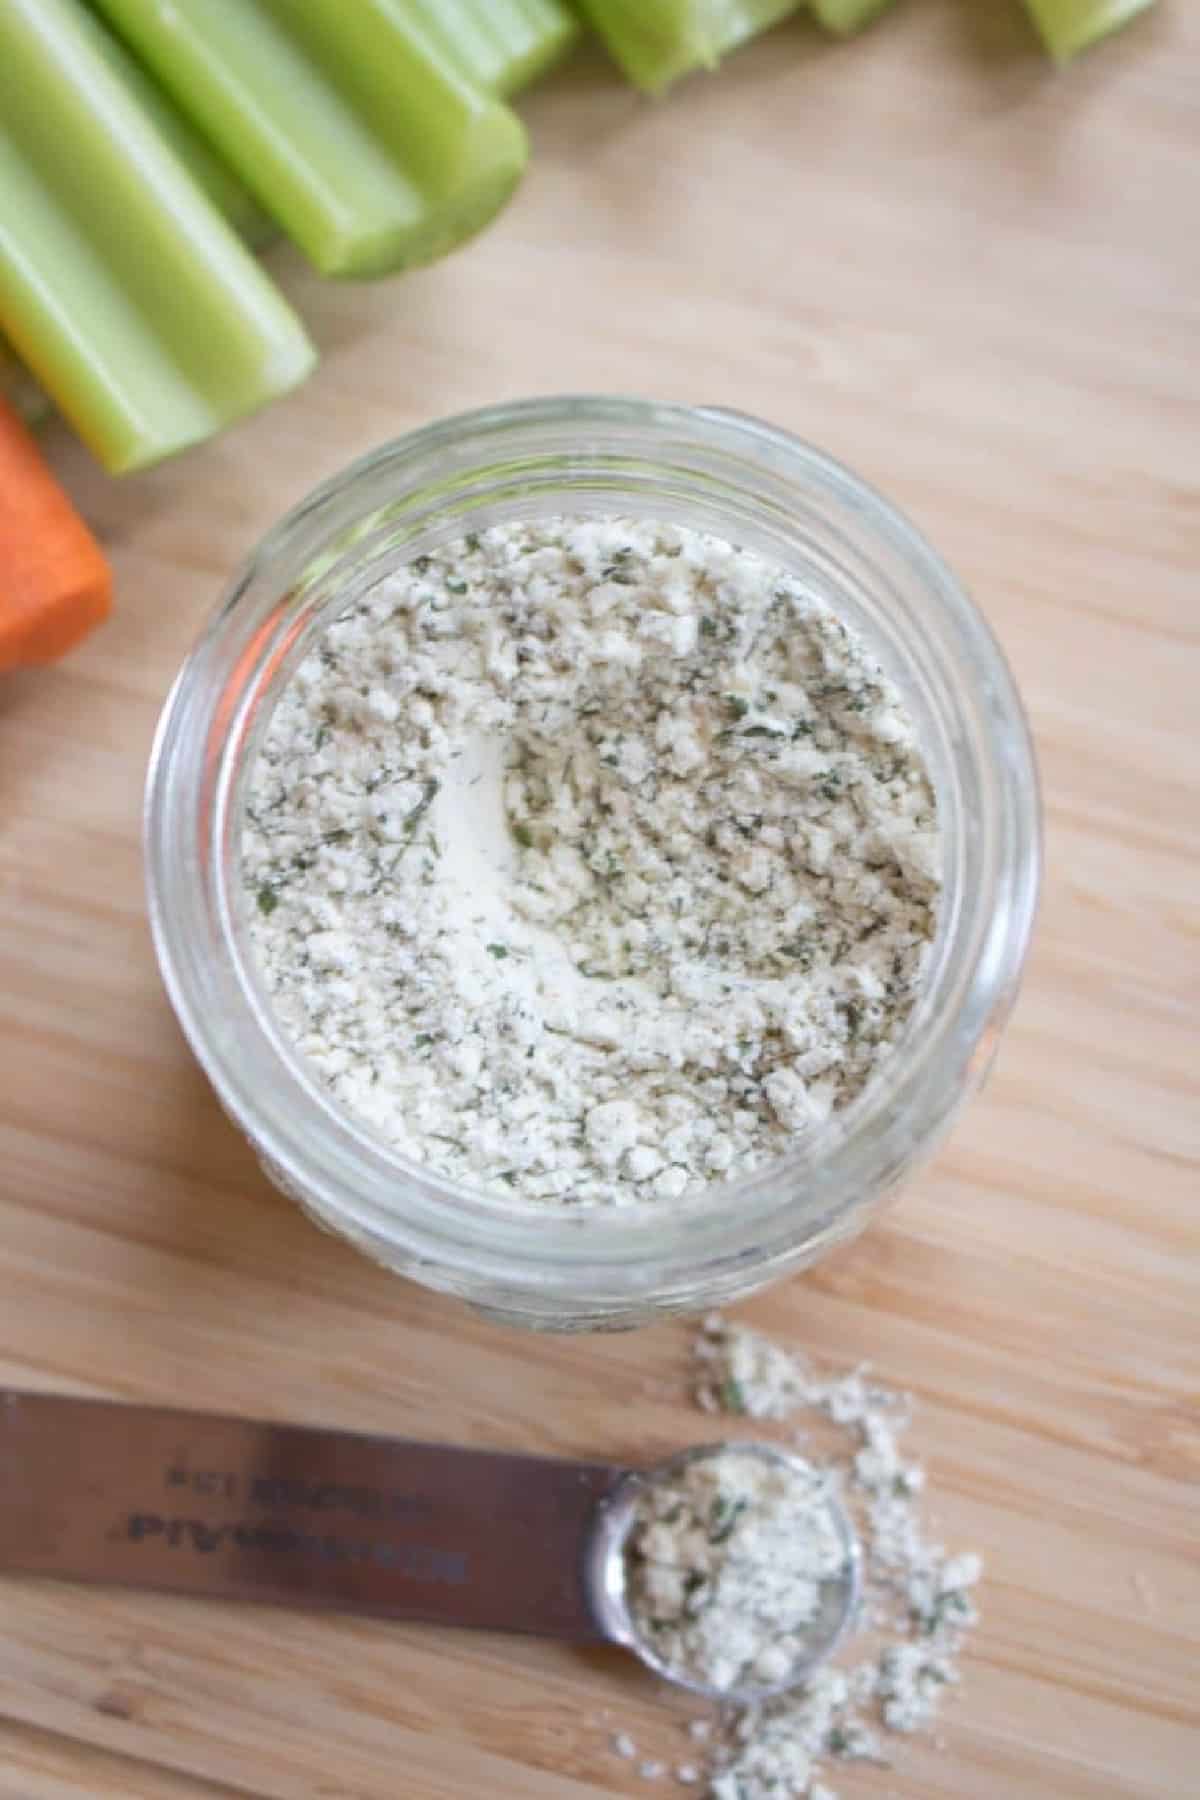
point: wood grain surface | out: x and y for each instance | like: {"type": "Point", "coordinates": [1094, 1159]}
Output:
{"type": "Point", "coordinates": [977, 282]}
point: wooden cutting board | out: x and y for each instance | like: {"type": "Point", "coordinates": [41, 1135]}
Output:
{"type": "Point", "coordinates": [978, 282]}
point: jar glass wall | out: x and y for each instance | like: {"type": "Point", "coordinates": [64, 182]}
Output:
{"type": "Point", "coordinates": [538, 1263]}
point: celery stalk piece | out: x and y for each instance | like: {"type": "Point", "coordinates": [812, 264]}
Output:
{"type": "Point", "coordinates": [500, 45]}
{"type": "Point", "coordinates": [657, 41]}
{"type": "Point", "coordinates": [230, 196]}
{"type": "Point", "coordinates": [846, 16]}
{"type": "Point", "coordinates": [353, 129]}
{"type": "Point", "coordinates": [462, 149]}
{"type": "Point", "coordinates": [1068, 26]}
{"type": "Point", "coordinates": [144, 317]}
{"type": "Point", "coordinates": [735, 22]}
{"type": "Point", "coordinates": [654, 42]}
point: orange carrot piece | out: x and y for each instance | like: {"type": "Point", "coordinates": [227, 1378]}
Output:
{"type": "Point", "coordinates": [54, 582]}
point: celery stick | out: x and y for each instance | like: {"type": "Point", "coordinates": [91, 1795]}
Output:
{"type": "Point", "coordinates": [657, 41]}
{"type": "Point", "coordinates": [362, 139]}
{"type": "Point", "coordinates": [121, 287]}
{"type": "Point", "coordinates": [1068, 26]}
{"type": "Point", "coordinates": [463, 150]}
{"type": "Point", "coordinates": [500, 45]}
{"type": "Point", "coordinates": [737, 21]}
{"type": "Point", "coordinates": [229, 195]}
{"type": "Point", "coordinates": [653, 41]}
{"type": "Point", "coordinates": [845, 16]}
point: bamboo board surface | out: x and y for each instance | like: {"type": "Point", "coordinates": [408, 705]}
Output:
{"type": "Point", "coordinates": [978, 283]}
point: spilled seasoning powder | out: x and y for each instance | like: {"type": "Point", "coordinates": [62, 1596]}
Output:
{"type": "Point", "coordinates": [901, 1655]}
{"type": "Point", "coordinates": [892, 1674]}
{"type": "Point", "coordinates": [591, 860]}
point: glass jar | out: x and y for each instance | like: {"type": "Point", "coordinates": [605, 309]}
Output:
{"type": "Point", "coordinates": [534, 1263]}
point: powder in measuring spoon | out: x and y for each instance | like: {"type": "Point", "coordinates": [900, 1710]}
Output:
{"type": "Point", "coordinates": [729, 1566]}
{"type": "Point", "coordinates": [591, 860]}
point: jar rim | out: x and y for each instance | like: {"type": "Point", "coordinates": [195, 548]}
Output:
{"type": "Point", "coordinates": [460, 1237]}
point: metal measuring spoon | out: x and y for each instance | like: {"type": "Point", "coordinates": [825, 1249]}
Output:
{"type": "Point", "coordinates": [147, 1497]}
{"type": "Point", "coordinates": [608, 1574]}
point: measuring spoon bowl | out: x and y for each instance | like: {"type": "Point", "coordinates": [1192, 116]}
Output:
{"type": "Point", "coordinates": [608, 1575]}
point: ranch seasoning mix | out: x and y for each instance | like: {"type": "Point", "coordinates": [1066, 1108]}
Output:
{"type": "Point", "coordinates": [721, 1607]}
{"type": "Point", "coordinates": [590, 861]}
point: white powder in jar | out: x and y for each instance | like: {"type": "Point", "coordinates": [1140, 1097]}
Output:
{"type": "Point", "coordinates": [591, 860]}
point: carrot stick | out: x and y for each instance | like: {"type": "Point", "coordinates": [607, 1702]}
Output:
{"type": "Point", "coordinates": [54, 582]}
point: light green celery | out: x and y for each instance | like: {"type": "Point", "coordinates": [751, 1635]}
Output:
{"type": "Point", "coordinates": [463, 149]}
{"type": "Point", "coordinates": [845, 16]}
{"type": "Point", "coordinates": [653, 41]}
{"type": "Point", "coordinates": [1068, 26]}
{"type": "Point", "coordinates": [230, 196]}
{"type": "Point", "coordinates": [355, 131]}
{"type": "Point", "coordinates": [121, 287]}
{"type": "Point", "coordinates": [501, 45]}
{"type": "Point", "coordinates": [657, 41]}
{"type": "Point", "coordinates": [735, 22]}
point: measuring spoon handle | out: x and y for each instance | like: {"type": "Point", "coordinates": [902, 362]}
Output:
{"type": "Point", "coordinates": [149, 1497]}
